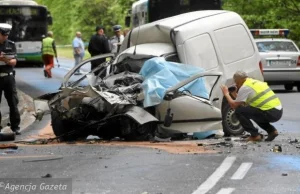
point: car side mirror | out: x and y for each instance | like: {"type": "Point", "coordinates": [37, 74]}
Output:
{"type": "Point", "coordinates": [169, 96]}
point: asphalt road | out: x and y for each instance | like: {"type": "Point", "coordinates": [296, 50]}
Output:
{"type": "Point", "coordinates": [240, 168]}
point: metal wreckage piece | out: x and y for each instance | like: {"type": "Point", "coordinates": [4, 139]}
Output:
{"type": "Point", "coordinates": [110, 108]}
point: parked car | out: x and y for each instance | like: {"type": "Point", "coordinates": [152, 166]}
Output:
{"type": "Point", "coordinates": [280, 58]}
{"type": "Point", "coordinates": [218, 42]}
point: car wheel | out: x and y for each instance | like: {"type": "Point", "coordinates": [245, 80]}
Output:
{"type": "Point", "coordinates": [61, 127]}
{"type": "Point", "coordinates": [231, 125]}
{"type": "Point", "coordinates": [288, 87]}
{"type": "Point", "coordinates": [142, 133]}
{"type": "Point", "coordinates": [298, 87]}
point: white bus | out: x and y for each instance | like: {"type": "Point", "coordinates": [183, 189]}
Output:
{"type": "Point", "coordinates": [29, 25]}
{"type": "Point", "coordinates": [145, 11]}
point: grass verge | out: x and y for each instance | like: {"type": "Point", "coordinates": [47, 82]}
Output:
{"type": "Point", "coordinates": [68, 53]}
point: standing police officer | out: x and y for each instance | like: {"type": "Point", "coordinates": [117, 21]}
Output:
{"type": "Point", "coordinates": [117, 39]}
{"type": "Point", "coordinates": [7, 79]}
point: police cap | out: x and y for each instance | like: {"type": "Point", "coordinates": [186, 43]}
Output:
{"type": "Point", "coordinates": [5, 28]}
{"type": "Point", "coordinates": [117, 28]}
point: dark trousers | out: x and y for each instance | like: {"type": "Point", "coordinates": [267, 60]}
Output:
{"type": "Point", "coordinates": [8, 86]}
{"type": "Point", "coordinates": [95, 64]}
{"type": "Point", "coordinates": [262, 118]}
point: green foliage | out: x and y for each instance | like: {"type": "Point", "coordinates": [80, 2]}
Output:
{"type": "Point", "coordinates": [85, 15]}
{"type": "Point", "coordinates": [269, 14]}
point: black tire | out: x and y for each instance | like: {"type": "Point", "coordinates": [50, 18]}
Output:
{"type": "Point", "coordinates": [61, 127]}
{"type": "Point", "coordinates": [288, 87]}
{"type": "Point", "coordinates": [231, 125]}
{"type": "Point", "coordinates": [142, 133]}
{"type": "Point", "coordinates": [298, 87]}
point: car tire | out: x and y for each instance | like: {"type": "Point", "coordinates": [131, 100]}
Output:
{"type": "Point", "coordinates": [288, 87]}
{"type": "Point", "coordinates": [61, 127]}
{"type": "Point", "coordinates": [298, 87]}
{"type": "Point", "coordinates": [231, 125]}
{"type": "Point", "coordinates": [142, 133]}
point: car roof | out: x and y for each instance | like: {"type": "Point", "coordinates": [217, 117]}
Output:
{"type": "Point", "coordinates": [272, 39]}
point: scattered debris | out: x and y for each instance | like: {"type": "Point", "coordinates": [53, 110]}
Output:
{"type": "Point", "coordinates": [34, 141]}
{"type": "Point", "coordinates": [47, 176]}
{"type": "Point", "coordinates": [293, 141]}
{"type": "Point", "coordinates": [10, 151]}
{"type": "Point", "coordinates": [227, 139]}
{"type": "Point", "coordinates": [92, 137]}
{"type": "Point", "coordinates": [158, 139]}
{"type": "Point", "coordinates": [42, 160]}
{"type": "Point", "coordinates": [8, 146]}
{"type": "Point", "coordinates": [276, 148]}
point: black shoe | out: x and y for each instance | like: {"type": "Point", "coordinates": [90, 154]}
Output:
{"type": "Point", "coordinates": [17, 132]}
{"type": "Point", "coordinates": [272, 135]}
{"type": "Point", "coordinates": [45, 73]}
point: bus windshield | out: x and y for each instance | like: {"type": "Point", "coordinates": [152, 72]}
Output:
{"type": "Point", "coordinates": [29, 23]}
{"type": "Point", "coordinates": [160, 9]}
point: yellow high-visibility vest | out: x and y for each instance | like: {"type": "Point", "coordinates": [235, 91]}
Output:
{"type": "Point", "coordinates": [47, 46]}
{"type": "Point", "coordinates": [265, 98]}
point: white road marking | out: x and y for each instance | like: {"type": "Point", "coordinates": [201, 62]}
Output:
{"type": "Point", "coordinates": [226, 191]}
{"type": "Point", "coordinates": [241, 171]}
{"type": "Point", "coordinates": [216, 176]}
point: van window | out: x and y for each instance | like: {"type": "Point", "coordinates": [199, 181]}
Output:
{"type": "Point", "coordinates": [202, 52]}
{"type": "Point", "coordinates": [234, 43]}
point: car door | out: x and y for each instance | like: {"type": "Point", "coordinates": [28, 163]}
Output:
{"type": "Point", "coordinates": [183, 112]}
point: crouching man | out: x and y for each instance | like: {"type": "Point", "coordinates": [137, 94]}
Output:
{"type": "Point", "coordinates": [255, 101]}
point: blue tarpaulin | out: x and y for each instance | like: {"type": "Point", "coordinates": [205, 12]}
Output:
{"type": "Point", "coordinates": [159, 75]}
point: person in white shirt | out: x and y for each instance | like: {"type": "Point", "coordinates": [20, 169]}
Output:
{"type": "Point", "coordinates": [117, 39]}
{"type": "Point", "coordinates": [256, 101]}
{"type": "Point", "coordinates": [78, 50]}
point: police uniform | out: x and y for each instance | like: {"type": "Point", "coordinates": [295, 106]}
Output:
{"type": "Point", "coordinates": [7, 79]}
{"type": "Point", "coordinates": [116, 41]}
{"type": "Point", "coordinates": [98, 45]}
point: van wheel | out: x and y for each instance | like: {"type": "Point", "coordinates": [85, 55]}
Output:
{"type": "Point", "coordinates": [289, 87]}
{"type": "Point", "coordinates": [231, 125]}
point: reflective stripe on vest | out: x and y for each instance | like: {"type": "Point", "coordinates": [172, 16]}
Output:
{"type": "Point", "coordinates": [265, 98]}
{"type": "Point", "coordinates": [47, 46]}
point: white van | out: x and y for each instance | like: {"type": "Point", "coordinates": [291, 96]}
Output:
{"type": "Point", "coordinates": [218, 41]}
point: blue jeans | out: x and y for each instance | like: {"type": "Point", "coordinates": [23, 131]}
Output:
{"type": "Point", "coordinates": [262, 118]}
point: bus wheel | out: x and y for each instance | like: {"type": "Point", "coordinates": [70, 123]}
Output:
{"type": "Point", "coordinates": [288, 87]}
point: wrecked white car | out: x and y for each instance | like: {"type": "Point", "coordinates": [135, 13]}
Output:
{"type": "Point", "coordinates": [140, 97]}
{"type": "Point", "coordinates": [123, 99]}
